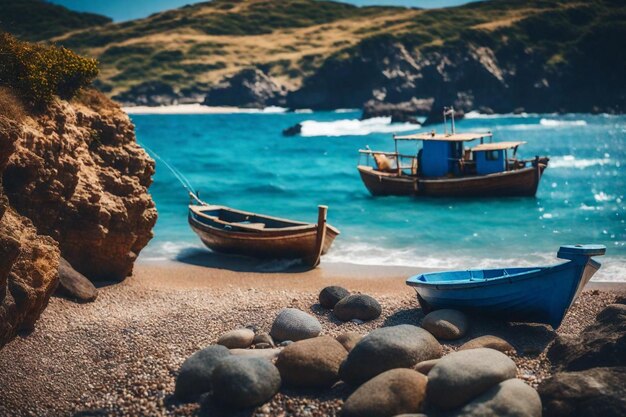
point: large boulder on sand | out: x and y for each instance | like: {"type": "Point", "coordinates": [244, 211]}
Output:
{"type": "Point", "coordinates": [357, 306]}
{"type": "Point", "coordinates": [293, 324]}
{"type": "Point", "coordinates": [329, 296]}
{"type": "Point", "coordinates": [601, 344]}
{"type": "Point", "coordinates": [241, 382]}
{"type": "Point", "coordinates": [511, 398]}
{"type": "Point", "coordinates": [387, 348]}
{"type": "Point", "coordinates": [194, 376]}
{"type": "Point", "coordinates": [74, 285]}
{"type": "Point", "coordinates": [311, 362]}
{"type": "Point", "coordinates": [461, 376]}
{"type": "Point", "coordinates": [391, 393]}
{"type": "Point", "coordinates": [597, 392]}
{"type": "Point", "coordinates": [446, 324]}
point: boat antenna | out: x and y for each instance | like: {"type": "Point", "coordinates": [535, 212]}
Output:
{"type": "Point", "coordinates": [452, 118]}
{"type": "Point", "coordinates": [445, 121]}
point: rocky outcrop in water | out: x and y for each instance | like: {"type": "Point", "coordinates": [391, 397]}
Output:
{"type": "Point", "coordinates": [79, 176]}
{"type": "Point", "coordinates": [28, 262]}
{"type": "Point", "coordinates": [248, 88]}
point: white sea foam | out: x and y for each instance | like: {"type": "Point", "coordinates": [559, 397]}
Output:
{"type": "Point", "coordinates": [345, 110]}
{"type": "Point", "coordinates": [303, 111]}
{"type": "Point", "coordinates": [613, 269]}
{"type": "Point", "coordinates": [198, 109]}
{"type": "Point", "coordinates": [570, 161]}
{"type": "Point", "coordinates": [354, 127]}
{"type": "Point", "coordinates": [562, 123]}
{"type": "Point", "coordinates": [477, 115]}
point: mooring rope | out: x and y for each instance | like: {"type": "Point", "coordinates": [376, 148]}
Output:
{"type": "Point", "coordinates": [184, 181]}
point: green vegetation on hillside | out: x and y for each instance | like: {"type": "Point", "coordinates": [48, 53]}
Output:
{"type": "Point", "coordinates": [40, 72]}
{"type": "Point", "coordinates": [36, 20]}
{"type": "Point", "coordinates": [563, 41]}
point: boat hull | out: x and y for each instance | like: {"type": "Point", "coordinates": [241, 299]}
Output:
{"type": "Point", "coordinates": [276, 244]}
{"type": "Point", "coordinates": [542, 295]}
{"type": "Point", "coordinates": [520, 182]}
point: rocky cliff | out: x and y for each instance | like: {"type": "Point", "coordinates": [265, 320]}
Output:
{"type": "Point", "coordinates": [81, 178]}
{"type": "Point", "coordinates": [28, 261]}
{"type": "Point", "coordinates": [73, 183]}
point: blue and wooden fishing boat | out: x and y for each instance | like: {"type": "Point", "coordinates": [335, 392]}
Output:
{"type": "Point", "coordinates": [446, 166]}
{"type": "Point", "coordinates": [534, 294]}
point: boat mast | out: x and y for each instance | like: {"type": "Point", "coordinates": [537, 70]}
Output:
{"type": "Point", "coordinates": [448, 111]}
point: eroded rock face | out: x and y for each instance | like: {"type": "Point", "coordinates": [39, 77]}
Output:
{"type": "Point", "coordinates": [603, 343]}
{"type": "Point", "coordinates": [248, 88]}
{"type": "Point", "coordinates": [28, 262]}
{"type": "Point", "coordinates": [81, 178]}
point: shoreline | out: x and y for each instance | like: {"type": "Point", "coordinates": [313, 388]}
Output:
{"type": "Point", "coordinates": [121, 353]}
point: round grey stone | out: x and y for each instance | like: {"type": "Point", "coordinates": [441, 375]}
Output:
{"type": "Point", "coordinates": [237, 339]}
{"type": "Point", "coordinates": [463, 375]}
{"type": "Point", "coordinates": [511, 398]}
{"type": "Point", "coordinates": [241, 382]}
{"type": "Point", "coordinates": [194, 376]}
{"type": "Point", "coordinates": [387, 348]}
{"type": "Point", "coordinates": [293, 324]}
{"type": "Point", "coordinates": [357, 306]}
{"type": "Point", "coordinates": [446, 324]}
{"type": "Point", "coordinates": [330, 296]}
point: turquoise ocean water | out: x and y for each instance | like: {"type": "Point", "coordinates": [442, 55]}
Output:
{"type": "Point", "coordinates": [242, 160]}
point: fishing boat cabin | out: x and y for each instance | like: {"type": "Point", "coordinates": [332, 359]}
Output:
{"type": "Point", "coordinates": [452, 165]}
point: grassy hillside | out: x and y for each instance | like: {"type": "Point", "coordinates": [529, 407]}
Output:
{"type": "Point", "coordinates": [195, 46]}
{"type": "Point", "coordinates": [38, 20]}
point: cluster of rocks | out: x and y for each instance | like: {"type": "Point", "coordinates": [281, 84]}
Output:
{"type": "Point", "coordinates": [349, 307]}
{"type": "Point", "coordinates": [391, 371]}
{"type": "Point", "coordinates": [590, 369]}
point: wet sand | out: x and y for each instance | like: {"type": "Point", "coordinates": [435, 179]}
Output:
{"type": "Point", "coordinates": [119, 355]}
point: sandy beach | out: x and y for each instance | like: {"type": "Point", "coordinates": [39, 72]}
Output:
{"type": "Point", "coordinates": [120, 354]}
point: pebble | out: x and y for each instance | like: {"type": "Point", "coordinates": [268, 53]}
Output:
{"type": "Point", "coordinates": [237, 339]}
{"type": "Point", "coordinates": [391, 393]}
{"type": "Point", "coordinates": [263, 337]}
{"type": "Point", "coordinates": [330, 296]}
{"type": "Point", "coordinates": [269, 354]}
{"type": "Point", "coordinates": [241, 382]}
{"type": "Point", "coordinates": [357, 306]}
{"type": "Point", "coordinates": [349, 339]}
{"type": "Point", "coordinates": [488, 341]}
{"type": "Point", "coordinates": [311, 362]}
{"type": "Point", "coordinates": [425, 366]}
{"type": "Point", "coordinates": [401, 346]}
{"type": "Point", "coordinates": [446, 324]}
{"type": "Point", "coordinates": [461, 376]}
{"type": "Point", "coordinates": [293, 324]}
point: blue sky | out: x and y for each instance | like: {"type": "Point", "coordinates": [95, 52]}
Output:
{"type": "Point", "coordinates": [121, 10]}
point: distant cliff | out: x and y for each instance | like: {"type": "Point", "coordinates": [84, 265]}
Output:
{"type": "Point", "coordinates": [504, 55]}
{"type": "Point", "coordinates": [73, 181]}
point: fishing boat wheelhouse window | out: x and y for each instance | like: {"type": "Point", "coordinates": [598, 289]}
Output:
{"type": "Point", "coordinates": [492, 155]}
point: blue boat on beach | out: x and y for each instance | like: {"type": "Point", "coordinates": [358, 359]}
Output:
{"type": "Point", "coordinates": [533, 294]}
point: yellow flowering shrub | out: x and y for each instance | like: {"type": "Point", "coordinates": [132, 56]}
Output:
{"type": "Point", "coordinates": [40, 72]}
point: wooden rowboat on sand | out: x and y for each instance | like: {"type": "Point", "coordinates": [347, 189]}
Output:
{"type": "Point", "coordinates": [227, 230]}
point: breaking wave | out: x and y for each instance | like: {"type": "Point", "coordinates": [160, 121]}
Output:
{"type": "Point", "coordinates": [354, 127]}
{"type": "Point", "coordinates": [570, 161]}
{"type": "Point", "coordinates": [558, 123]}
